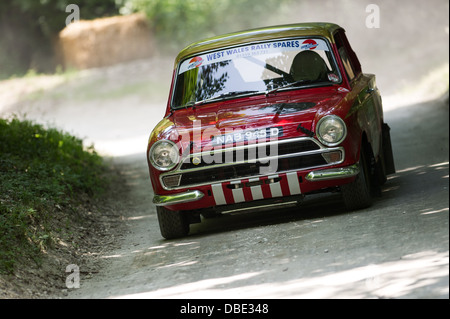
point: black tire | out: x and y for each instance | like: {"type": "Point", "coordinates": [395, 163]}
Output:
{"type": "Point", "coordinates": [358, 195]}
{"type": "Point", "coordinates": [173, 224]}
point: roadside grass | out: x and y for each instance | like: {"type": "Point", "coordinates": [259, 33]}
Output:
{"type": "Point", "coordinates": [41, 172]}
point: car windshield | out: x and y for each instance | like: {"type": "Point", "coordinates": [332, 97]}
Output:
{"type": "Point", "coordinates": [254, 69]}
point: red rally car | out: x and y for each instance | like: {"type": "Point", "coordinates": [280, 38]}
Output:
{"type": "Point", "coordinates": [261, 118]}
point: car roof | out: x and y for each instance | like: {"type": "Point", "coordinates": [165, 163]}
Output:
{"type": "Point", "coordinates": [323, 29]}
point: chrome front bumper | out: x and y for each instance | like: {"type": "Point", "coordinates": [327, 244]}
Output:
{"type": "Point", "coordinates": [178, 198]}
{"type": "Point", "coordinates": [333, 173]}
{"type": "Point", "coordinates": [318, 175]}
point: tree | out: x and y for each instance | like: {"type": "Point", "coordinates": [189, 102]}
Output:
{"type": "Point", "coordinates": [179, 22]}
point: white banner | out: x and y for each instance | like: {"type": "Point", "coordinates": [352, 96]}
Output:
{"type": "Point", "coordinates": [253, 50]}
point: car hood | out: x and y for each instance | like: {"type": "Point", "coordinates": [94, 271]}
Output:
{"type": "Point", "coordinates": [288, 117]}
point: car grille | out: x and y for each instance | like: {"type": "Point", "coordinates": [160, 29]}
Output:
{"type": "Point", "coordinates": [247, 170]}
{"type": "Point", "coordinates": [248, 161]}
{"type": "Point", "coordinates": [249, 153]}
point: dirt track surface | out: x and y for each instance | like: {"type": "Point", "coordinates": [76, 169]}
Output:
{"type": "Point", "coordinates": [396, 249]}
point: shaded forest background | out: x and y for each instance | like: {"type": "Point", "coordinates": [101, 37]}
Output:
{"type": "Point", "coordinates": [29, 28]}
{"type": "Point", "coordinates": [410, 46]}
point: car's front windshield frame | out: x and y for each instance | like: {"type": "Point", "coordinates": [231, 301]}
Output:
{"type": "Point", "coordinates": [283, 81]}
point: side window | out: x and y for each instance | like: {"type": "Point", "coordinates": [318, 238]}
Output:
{"type": "Point", "coordinates": [347, 64]}
{"type": "Point", "coordinates": [348, 57]}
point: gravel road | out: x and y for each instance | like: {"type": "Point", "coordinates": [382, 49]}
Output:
{"type": "Point", "coordinates": [396, 249]}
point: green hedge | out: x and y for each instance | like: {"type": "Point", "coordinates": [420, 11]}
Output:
{"type": "Point", "coordinates": [40, 169]}
{"type": "Point", "coordinates": [177, 23]}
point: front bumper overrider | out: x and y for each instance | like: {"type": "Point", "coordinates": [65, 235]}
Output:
{"type": "Point", "coordinates": [178, 198]}
{"type": "Point", "coordinates": [333, 173]}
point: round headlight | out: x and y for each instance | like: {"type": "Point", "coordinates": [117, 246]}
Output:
{"type": "Point", "coordinates": [164, 155]}
{"type": "Point", "coordinates": [331, 130]}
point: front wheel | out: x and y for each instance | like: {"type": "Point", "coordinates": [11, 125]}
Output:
{"type": "Point", "coordinates": [357, 195]}
{"type": "Point", "coordinates": [173, 224]}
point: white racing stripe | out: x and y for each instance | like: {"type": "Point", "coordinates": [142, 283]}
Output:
{"type": "Point", "coordinates": [256, 190]}
{"type": "Point", "coordinates": [294, 185]}
{"type": "Point", "coordinates": [219, 197]}
{"type": "Point", "coordinates": [275, 188]}
{"type": "Point", "coordinates": [257, 193]}
{"type": "Point", "coordinates": [238, 193]}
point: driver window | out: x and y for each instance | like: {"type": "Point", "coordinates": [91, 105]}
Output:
{"type": "Point", "coordinates": [346, 62]}
{"type": "Point", "coordinates": [349, 59]}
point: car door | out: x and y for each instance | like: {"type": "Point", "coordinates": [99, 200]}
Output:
{"type": "Point", "coordinates": [367, 101]}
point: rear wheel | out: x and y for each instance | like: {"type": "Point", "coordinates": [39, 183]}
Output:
{"type": "Point", "coordinates": [173, 224]}
{"type": "Point", "coordinates": [358, 195]}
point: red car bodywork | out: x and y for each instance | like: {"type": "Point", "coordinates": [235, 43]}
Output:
{"type": "Point", "coordinates": [295, 113]}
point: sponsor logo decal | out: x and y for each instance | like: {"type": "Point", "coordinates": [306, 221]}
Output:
{"type": "Point", "coordinates": [333, 77]}
{"type": "Point", "coordinates": [309, 45]}
{"type": "Point", "coordinates": [195, 62]}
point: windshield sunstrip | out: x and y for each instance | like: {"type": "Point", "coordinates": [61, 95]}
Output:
{"type": "Point", "coordinates": [250, 69]}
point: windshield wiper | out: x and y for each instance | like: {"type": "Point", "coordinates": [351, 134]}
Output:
{"type": "Point", "coordinates": [287, 85]}
{"type": "Point", "coordinates": [218, 97]}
